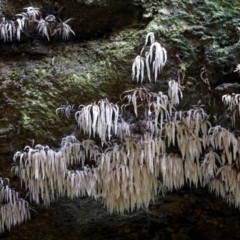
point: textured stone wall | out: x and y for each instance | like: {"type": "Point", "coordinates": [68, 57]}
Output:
{"type": "Point", "coordinates": [96, 63]}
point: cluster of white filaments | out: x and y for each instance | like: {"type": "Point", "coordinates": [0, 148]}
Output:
{"type": "Point", "coordinates": [232, 103]}
{"type": "Point", "coordinates": [131, 171]}
{"type": "Point", "coordinates": [13, 209]}
{"type": "Point", "coordinates": [158, 149]}
{"type": "Point", "coordinates": [98, 118]}
{"type": "Point", "coordinates": [31, 20]}
{"type": "Point", "coordinates": [155, 58]}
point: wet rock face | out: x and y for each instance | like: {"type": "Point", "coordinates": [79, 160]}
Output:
{"type": "Point", "coordinates": [193, 214]}
{"type": "Point", "coordinates": [91, 19]}
{"type": "Point", "coordinates": [37, 76]}
{"type": "Point", "coordinates": [181, 215]}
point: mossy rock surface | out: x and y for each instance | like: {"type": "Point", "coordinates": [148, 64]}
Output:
{"type": "Point", "coordinates": [37, 77]}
